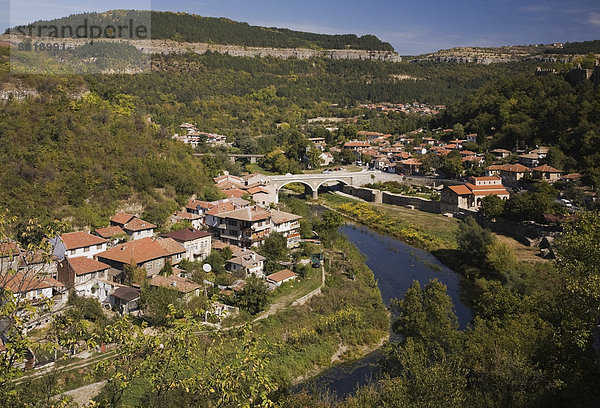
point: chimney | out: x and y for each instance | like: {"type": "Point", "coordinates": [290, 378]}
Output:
{"type": "Point", "coordinates": [174, 283]}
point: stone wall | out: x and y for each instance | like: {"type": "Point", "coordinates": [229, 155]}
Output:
{"type": "Point", "coordinates": [418, 203]}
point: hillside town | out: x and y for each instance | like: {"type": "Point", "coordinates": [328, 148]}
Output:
{"type": "Point", "coordinates": [114, 264]}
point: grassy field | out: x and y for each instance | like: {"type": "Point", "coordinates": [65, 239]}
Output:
{"type": "Point", "coordinates": [443, 229]}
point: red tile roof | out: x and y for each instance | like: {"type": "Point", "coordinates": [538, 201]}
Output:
{"type": "Point", "coordinates": [220, 208]}
{"type": "Point", "coordinates": [9, 249]}
{"type": "Point", "coordinates": [257, 189]}
{"type": "Point", "coordinates": [80, 239]}
{"type": "Point", "coordinates": [170, 246]}
{"type": "Point", "coordinates": [281, 275]}
{"type": "Point", "coordinates": [121, 218]}
{"type": "Point", "coordinates": [357, 144]}
{"type": "Point", "coordinates": [137, 224]}
{"type": "Point", "coordinates": [234, 192]}
{"type": "Point", "coordinates": [138, 251]}
{"type": "Point", "coordinates": [24, 282]}
{"type": "Point", "coordinates": [247, 214]}
{"type": "Point", "coordinates": [187, 234]}
{"type": "Point", "coordinates": [83, 265]}
{"type": "Point", "coordinates": [546, 169]}
{"type": "Point", "coordinates": [460, 189]}
{"type": "Point", "coordinates": [110, 232]}
{"type": "Point", "coordinates": [515, 168]}
{"type": "Point", "coordinates": [174, 282]}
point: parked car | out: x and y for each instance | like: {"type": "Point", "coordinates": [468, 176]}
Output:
{"type": "Point", "coordinates": [566, 202]}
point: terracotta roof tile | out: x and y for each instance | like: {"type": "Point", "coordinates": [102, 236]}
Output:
{"type": "Point", "coordinates": [80, 239]}
{"type": "Point", "coordinates": [83, 265]}
{"type": "Point", "coordinates": [138, 251]}
{"type": "Point", "coordinates": [546, 169]}
{"type": "Point", "coordinates": [137, 224]}
{"type": "Point", "coordinates": [187, 234]}
{"type": "Point", "coordinates": [121, 218]}
{"type": "Point", "coordinates": [110, 232]}
{"type": "Point", "coordinates": [281, 275]}
{"type": "Point", "coordinates": [175, 282]}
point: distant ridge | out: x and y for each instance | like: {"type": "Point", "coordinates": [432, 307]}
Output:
{"type": "Point", "coordinates": [192, 28]}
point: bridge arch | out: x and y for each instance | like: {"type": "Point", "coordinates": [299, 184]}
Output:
{"type": "Point", "coordinates": [285, 183]}
{"type": "Point", "coordinates": [339, 180]}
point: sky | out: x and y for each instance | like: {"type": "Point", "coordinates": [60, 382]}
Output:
{"type": "Point", "coordinates": [412, 27]}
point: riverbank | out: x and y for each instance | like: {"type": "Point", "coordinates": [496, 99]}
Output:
{"type": "Point", "coordinates": [426, 231]}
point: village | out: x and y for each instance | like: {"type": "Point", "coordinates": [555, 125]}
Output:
{"type": "Point", "coordinates": [115, 264]}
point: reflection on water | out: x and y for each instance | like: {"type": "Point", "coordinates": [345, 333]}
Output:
{"type": "Point", "coordinates": [395, 266]}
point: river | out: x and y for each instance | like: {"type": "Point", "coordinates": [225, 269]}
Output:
{"type": "Point", "coordinates": [395, 265]}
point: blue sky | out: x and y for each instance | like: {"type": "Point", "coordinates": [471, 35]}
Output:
{"type": "Point", "coordinates": [412, 27]}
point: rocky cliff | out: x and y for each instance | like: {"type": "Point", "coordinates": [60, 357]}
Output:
{"type": "Point", "coordinates": [169, 46]}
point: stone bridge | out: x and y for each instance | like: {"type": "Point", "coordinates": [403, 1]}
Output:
{"type": "Point", "coordinates": [314, 181]}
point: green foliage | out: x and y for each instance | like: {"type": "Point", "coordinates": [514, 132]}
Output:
{"type": "Point", "coordinates": [81, 158]}
{"type": "Point", "coordinates": [254, 296]}
{"type": "Point", "coordinates": [427, 316]}
{"type": "Point", "coordinates": [492, 207]}
{"type": "Point", "coordinates": [527, 110]}
{"type": "Point", "coordinates": [156, 303]}
{"type": "Point", "coordinates": [331, 220]}
{"type": "Point", "coordinates": [274, 247]}
{"type": "Point", "coordinates": [473, 240]}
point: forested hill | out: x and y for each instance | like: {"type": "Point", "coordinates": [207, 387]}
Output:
{"type": "Point", "coordinates": [527, 110]}
{"type": "Point", "coordinates": [582, 47]}
{"type": "Point", "coordinates": [197, 29]}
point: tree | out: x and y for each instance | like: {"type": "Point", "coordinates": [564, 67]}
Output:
{"type": "Point", "coordinates": [458, 131]}
{"type": "Point", "coordinates": [331, 220]}
{"type": "Point", "coordinates": [500, 260]}
{"type": "Point", "coordinates": [492, 207]}
{"type": "Point", "coordinates": [155, 302]}
{"type": "Point", "coordinates": [179, 367]}
{"type": "Point", "coordinates": [314, 157]}
{"type": "Point", "coordinates": [427, 317]}
{"type": "Point", "coordinates": [452, 165]}
{"type": "Point", "coordinates": [473, 240]}
{"type": "Point", "coordinates": [274, 247]}
{"type": "Point", "coordinates": [254, 296]}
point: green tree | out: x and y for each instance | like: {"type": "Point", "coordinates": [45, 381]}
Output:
{"type": "Point", "coordinates": [492, 207]}
{"type": "Point", "coordinates": [451, 165]}
{"type": "Point", "coordinates": [427, 317]}
{"type": "Point", "coordinates": [274, 247]}
{"type": "Point", "coordinates": [331, 220]}
{"type": "Point", "coordinates": [254, 296]}
{"type": "Point", "coordinates": [314, 157]}
{"type": "Point", "coordinates": [155, 302]}
{"type": "Point", "coordinates": [473, 240]}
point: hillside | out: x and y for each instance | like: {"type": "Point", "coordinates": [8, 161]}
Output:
{"type": "Point", "coordinates": [486, 55]}
{"type": "Point", "coordinates": [191, 28]}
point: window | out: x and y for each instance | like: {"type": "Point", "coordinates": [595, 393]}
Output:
{"type": "Point", "coordinates": [86, 249]}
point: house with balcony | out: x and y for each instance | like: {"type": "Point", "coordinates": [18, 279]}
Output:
{"type": "Point", "coordinates": [247, 263]}
{"type": "Point", "coordinates": [83, 275]}
{"type": "Point", "coordinates": [244, 227]}
{"type": "Point", "coordinates": [147, 253]}
{"type": "Point", "coordinates": [197, 243]}
{"type": "Point", "coordinates": [287, 225]}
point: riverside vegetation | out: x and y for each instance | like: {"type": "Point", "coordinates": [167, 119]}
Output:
{"type": "Point", "coordinates": [82, 146]}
